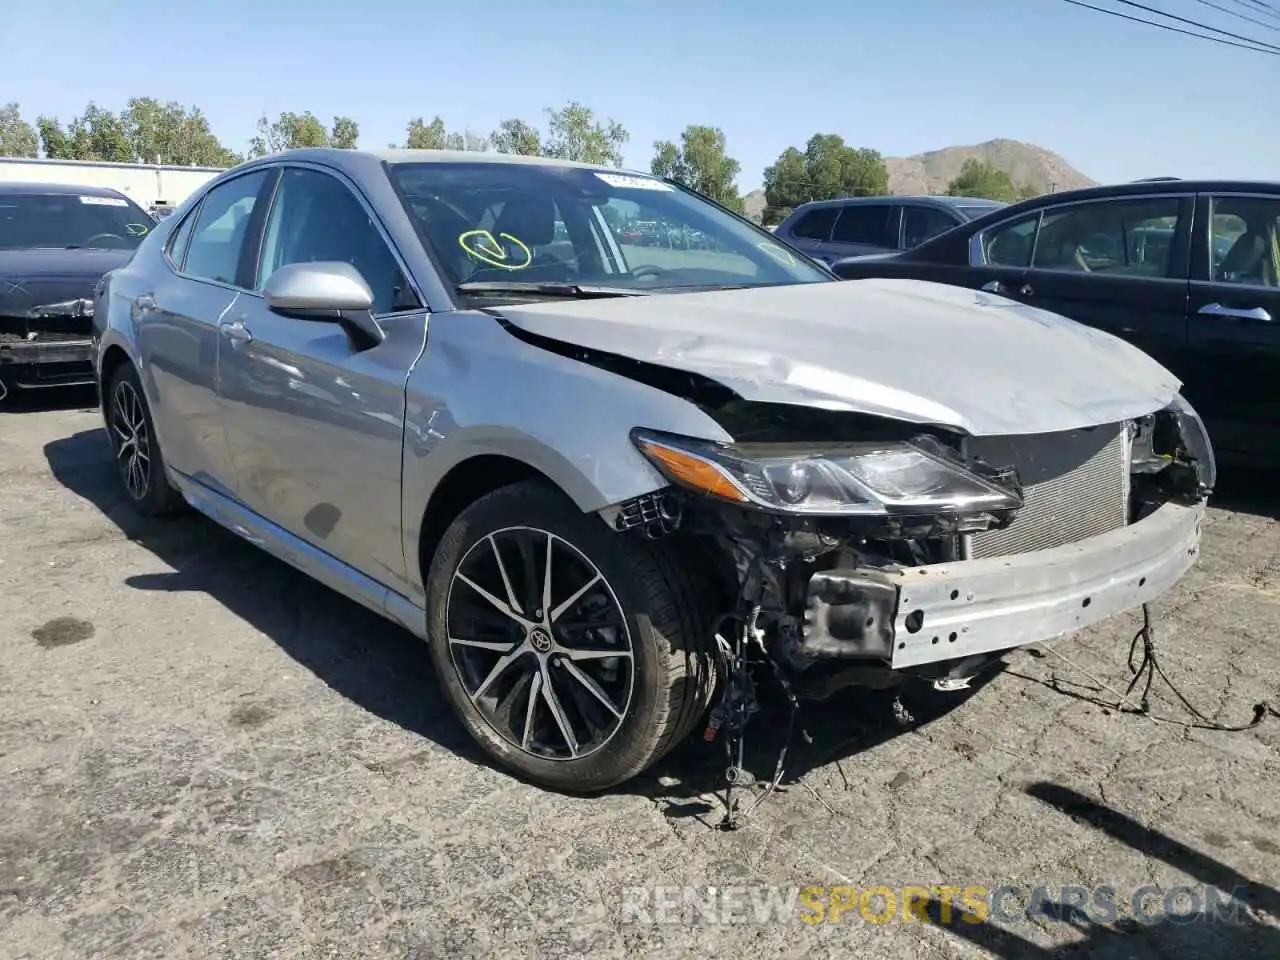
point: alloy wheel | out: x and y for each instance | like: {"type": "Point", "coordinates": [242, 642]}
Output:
{"type": "Point", "coordinates": [132, 440]}
{"type": "Point", "coordinates": [540, 643]}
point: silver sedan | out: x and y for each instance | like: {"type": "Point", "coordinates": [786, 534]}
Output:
{"type": "Point", "coordinates": [605, 479]}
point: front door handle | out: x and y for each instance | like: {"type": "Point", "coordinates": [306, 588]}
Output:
{"type": "Point", "coordinates": [236, 332]}
{"type": "Point", "coordinates": [998, 287]}
{"type": "Point", "coordinates": [146, 303]}
{"type": "Point", "coordinates": [1236, 313]}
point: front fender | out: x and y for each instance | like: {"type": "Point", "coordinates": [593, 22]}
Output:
{"type": "Point", "coordinates": [478, 390]}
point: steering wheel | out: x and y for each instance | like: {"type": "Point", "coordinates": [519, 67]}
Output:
{"type": "Point", "coordinates": [104, 236]}
{"type": "Point", "coordinates": [648, 270]}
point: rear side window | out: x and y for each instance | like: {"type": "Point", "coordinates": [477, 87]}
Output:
{"type": "Point", "coordinates": [815, 225]}
{"type": "Point", "coordinates": [222, 225]}
{"type": "Point", "coordinates": [865, 223]}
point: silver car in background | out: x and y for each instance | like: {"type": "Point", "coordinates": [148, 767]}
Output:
{"type": "Point", "coordinates": [601, 478]}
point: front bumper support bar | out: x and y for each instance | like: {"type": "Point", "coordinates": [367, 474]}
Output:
{"type": "Point", "coordinates": [951, 610]}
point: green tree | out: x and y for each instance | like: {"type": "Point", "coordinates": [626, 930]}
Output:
{"type": "Point", "coordinates": [518, 137]}
{"type": "Point", "coordinates": [826, 169]}
{"type": "Point", "coordinates": [345, 134]}
{"type": "Point", "coordinates": [701, 163]}
{"type": "Point", "coordinates": [17, 137]}
{"type": "Point", "coordinates": [54, 142]}
{"type": "Point", "coordinates": [290, 131]}
{"type": "Point", "coordinates": [420, 135]}
{"type": "Point", "coordinates": [169, 133]}
{"type": "Point", "coordinates": [96, 134]}
{"type": "Point", "coordinates": [978, 178]}
{"type": "Point", "coordinates": [573, 133]}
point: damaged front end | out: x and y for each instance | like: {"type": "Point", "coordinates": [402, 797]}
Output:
{"type": "Point", "coordinates": [882, 552]}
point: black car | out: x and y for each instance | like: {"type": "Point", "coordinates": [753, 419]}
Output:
{"type": "Point", "coordinates": [56, 242]}
{"type": "Point", "coordinates": [1187, 270]}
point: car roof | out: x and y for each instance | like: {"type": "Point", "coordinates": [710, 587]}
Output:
{"type": "Point", "coordinates": [1156, 185]}
{"type": "Point", "coordinates": [941, 200]}
{"type": "Point", "coordinates": [58, 189]}
{"type": "Point", "coordinates": [362, 161]}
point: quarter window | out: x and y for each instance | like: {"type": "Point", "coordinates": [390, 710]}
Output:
{"type": "Point", "coordinates": [1132, 238]}
{"type": "Point", "coordinates": [866, 223]}
{"type": "Point", "coordinates": [217, 242]}
{"type": "Point", "coordinates": [1010, 244]}
{"type": "Point", "coordinates": [1244, 241]}
{"type": "Point", "coordinates": [177, 247]}
{"type": "Point", "coordinates": [316, 218]}
{"type": "Point", "coordinates": [815, 224]}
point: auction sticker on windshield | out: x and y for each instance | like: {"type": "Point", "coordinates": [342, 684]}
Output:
{"type": "Point", "coordinates": [104, 201]}
{"type": "Point", "coordinates": [627, 182]}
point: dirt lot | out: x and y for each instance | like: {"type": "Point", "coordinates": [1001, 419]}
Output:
{"type": "Point", "coordinates": [203, 754]}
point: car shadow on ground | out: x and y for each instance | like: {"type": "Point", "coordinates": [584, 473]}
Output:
{"type": "Point", "coordinates": [387, 671]}
{"type": "Point", "coordinates": [1190, 923]}
{"type": "Point", "coordinates": [1244, 490]}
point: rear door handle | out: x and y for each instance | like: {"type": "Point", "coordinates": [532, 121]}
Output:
{"type": "Point", "coordinates": [236, 332]}
{"type": "Point", "coordinates": [1236, 313]}
{"type": "Point", "coordinates": [146, 303]}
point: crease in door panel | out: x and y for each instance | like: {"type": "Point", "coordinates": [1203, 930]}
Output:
{"type": "Point", "coordinates": [220, 405]}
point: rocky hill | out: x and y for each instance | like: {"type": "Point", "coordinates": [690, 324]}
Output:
{"type": "Point", "coordinates": [931, 172]}
{"type": "Point", "coordinates": [1025, 163]}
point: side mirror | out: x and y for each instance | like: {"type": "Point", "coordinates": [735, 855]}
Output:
{"type": "Point", "coordinates": [328, 290]}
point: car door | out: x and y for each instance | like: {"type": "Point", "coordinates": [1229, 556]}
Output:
{"type": "Point", "coordinates": [863, 228]}
{"type": "Point", "coordinates": [178, 339]}
{"type": "Point", "coordinates": [315, 420]}
{"type": "Point", "coordinates": [1118, 264]}
{"type": "Point", "coordinates": [1233, 369]}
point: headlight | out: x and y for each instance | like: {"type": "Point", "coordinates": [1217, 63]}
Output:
{"type": "Point", "coordinates": [1195, 441]}
{"type": "Point", "coordinates": [851, 479]}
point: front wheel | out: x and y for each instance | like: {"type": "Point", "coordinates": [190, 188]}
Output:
{"type": "Point", "coordinates": [575, 656]}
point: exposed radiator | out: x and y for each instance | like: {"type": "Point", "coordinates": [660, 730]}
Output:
{"type": "Point", "coordinates": [1076, 485]}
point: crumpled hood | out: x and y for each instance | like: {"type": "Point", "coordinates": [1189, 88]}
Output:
{"type": "Point", "coordinates": [910, 350]}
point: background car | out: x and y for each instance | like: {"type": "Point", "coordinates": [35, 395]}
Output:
{"type": "Point", "coordinates": [829, 230]}
{"type": "Point", "coordinates": [56, 242]}
{"type": "Point", "coordinates": [1189, 271]}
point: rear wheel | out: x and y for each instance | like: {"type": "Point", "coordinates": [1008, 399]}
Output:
{"type": "Point", "coordinates": [137, 452]}
{"type": "Point", "coordinates": [573, 655]}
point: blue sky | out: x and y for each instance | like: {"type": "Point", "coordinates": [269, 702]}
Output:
{"type": "Point", "coordinates": [1118, 100]}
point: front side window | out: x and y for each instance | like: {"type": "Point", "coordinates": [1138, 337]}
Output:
{"type": "Point", "coordinates": [1131, 238]}
{"type": "Point", "coordinates": [491, 222]}
{"type": "Point", "coordinates": [68, 221]}
{"type": "Point", "coordinates": [922, 223]}
{"type": "Point", "coordinates": [1010, 244]}
{"type": "Point", "coordinates": [865, 223]}
{"type": "Point", "coordinates": [217, 240]}
{"type": "Point", "coordinates": [315, 218]}
{"type": "Point", "coordinates": [1244, 241]}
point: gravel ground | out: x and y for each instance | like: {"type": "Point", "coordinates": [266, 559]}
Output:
{"type": "Point", "coordinates": [204, 754]}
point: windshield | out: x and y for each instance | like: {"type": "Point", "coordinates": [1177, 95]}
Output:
{"type": "Point", "coordinates": [31, 220]}
{"type": "Point", "coordinates": [533, 223]}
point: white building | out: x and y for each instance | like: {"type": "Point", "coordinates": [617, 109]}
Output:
{"type": "Point", "coordinates": [147, 184]}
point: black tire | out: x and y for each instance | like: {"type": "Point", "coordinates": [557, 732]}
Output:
{"type": "Point", "coordinates": [672, 668]}
{"type": "Point", "coordinates": [128, 415]}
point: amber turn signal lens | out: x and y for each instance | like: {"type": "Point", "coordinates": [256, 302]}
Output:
{"type": "Point", "coordinates": [695, 472]}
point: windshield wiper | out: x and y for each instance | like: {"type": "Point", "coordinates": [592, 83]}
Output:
{"type": "Point", "coordinates": [577, 291]}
